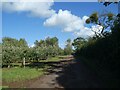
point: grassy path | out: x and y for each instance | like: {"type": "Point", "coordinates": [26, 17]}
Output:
{"type": "Point", "coordinates": [67, 74]}
{"type": "Point", "coordinates": [22, 77]}
{"type": "Point", "coordinates": [50, 80]}
{"type": "Point", "coordinates": [64, 74]}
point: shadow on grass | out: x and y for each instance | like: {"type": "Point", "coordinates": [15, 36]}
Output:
{"type": "Point", "coordinates": [49, 66]}
{"type": "Point", "coordinates": [75, 74]}
{"type": "Point", "coordinates": [80, 75]}
{"type": "Point", "coordinates": [71, 74]}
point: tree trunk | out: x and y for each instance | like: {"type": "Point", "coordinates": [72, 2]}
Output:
{"type": "Point", "coordinates": [24, 62]}
{"type": "Point", "coordinates": [8, 66]}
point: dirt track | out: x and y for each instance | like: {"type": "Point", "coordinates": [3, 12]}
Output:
{"type": "Point", "coordinates": [45, 81]}
{"type": "Point", "coordinates": [49, 80]}
{"type": "Point", "coordinates": [64, 74]}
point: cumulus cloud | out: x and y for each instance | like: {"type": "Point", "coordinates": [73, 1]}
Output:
{"type": "Point", "coordinates": [37, 9]}
{"type": "Point", "coordinates": [89, 32]}
{"type": "Point", "coordinates": [85, 32]}
{"type": "Point", "coordinates": [70, 23]}
{"type": "Point", "coordinates": [63, 18]}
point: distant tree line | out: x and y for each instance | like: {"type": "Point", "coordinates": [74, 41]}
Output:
{"type": "Point", "coordinates": [18, 51]}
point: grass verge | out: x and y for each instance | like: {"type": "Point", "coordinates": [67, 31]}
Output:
{"type": "Point", "coordinates": [20, 74]}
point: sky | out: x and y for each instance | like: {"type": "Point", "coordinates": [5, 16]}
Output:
{"type": "Point", "coordinates": [36, 21]}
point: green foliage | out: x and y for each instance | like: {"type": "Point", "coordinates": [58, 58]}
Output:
{"type": "Point", "coordinates": [14, 51]}
{"type": "Point", "coordinates": [47, 48]}
{"type": "Point", "coordinates": [94, 18]}
{"type": "Point", "coordinates": [103, 53]}
{"type": "Point", "coordinates": [102, 48]}
{"type": "Point", "coordinates": [110, 16]}
{"type": "Point", "coordinates": [68, 47]}
{"type": "Point", "coordinates": [105, 20]}
{"type": "Point", "coordinates": [78, 42]}
{"type": "Point", "coordinates": [108, 3]}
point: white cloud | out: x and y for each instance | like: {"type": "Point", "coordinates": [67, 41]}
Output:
{"type": "Point", "coordinates": [70, 23]}
{"type": "Point", "coordinates": [38, 9]}
{"type": "Point", "coordinates": [86, 32]}
{"type": "Point", "coordinates": [64, 19]}
{"type": "Point", "coordinates": [29, 45]}
{"type": "Point", "coordinates": [26, 0]}
{"type": "Point", "coordinates": [89, 32]}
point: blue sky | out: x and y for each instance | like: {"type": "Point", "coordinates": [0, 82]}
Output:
{"type": "Point", "coordinates": [19, 24]}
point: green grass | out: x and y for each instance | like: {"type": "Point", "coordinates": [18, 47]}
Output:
{"type": "Point", "coordinates": [0, 73]}
{"type": "Point", "coordinates": [52, 59]}
{"type": "Point", "coordinates": [55, 59]}
{"type": "Point", "coordinates": [20, 74]}
{"type": "Point", "coordinates": [3, 87]}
